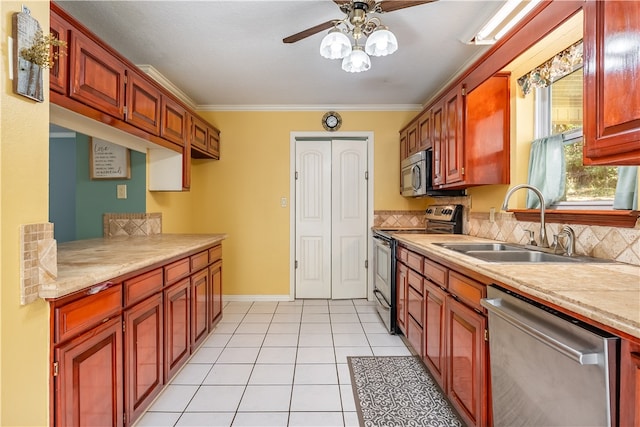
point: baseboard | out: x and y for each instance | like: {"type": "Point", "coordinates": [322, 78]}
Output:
{"type": "Point", "coordinates": [256, 298]}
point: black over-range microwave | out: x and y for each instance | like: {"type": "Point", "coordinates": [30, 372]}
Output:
{"type": "Point", "coordinates": [416, 177]}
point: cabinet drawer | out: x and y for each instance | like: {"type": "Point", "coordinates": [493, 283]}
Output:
{"type": "Point", "coordinates": [140, 287]}
{"type": "Point", "coordinates": [415, 281]}
{"type": "Point", "coordinates": [402, 254]}
{"type": "Point", "coordinates": [467, 290]}
{"type": "Point", "coordinates": [415, 261]}
{"type": "Point", "coordinates": [414, 335]}
{"type": "Point", "coordinates": [85, 313]}
{"type": "Point", "coordinates": [435, 273]}
{"type": "Point", "coordinates": [199, 261]}
{"type": "Point", "coordinates": [176, 270]}
{"type": "Point", "coordinates": [215, 253]}
{"type": "Point", "coordinates": [415, 306]}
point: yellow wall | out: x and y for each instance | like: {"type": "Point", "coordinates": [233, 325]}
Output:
{"type": "Point", "coordinates": [240, 194]}
{"type": "Point", "coordinates": [24, 165]}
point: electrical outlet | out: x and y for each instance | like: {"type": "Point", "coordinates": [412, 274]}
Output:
{"type": "Point", "coordinates": [283, 202]}
{"type": "Point", "coordinates": [122, 191]}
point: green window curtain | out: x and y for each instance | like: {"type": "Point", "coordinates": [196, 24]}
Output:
{"type": "Point", "coordinates": [627, 188]}
{"type": "Point", "coordinates": [547, 170]}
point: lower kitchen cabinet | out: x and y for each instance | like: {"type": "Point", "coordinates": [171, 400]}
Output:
{"type": "Point", "coordinates": [177, 338]}
{"type": "Point", "coordinates": [143, 354]}
{"type": "Point", "coordinates": [434, 333]}
{"type": "Point", "coordinates": [215, 302]}
{"type": "Point", "coordinates": [199, 321]}
{"type": "Point", "coordinates": [402, 284]}
{"type": "Point", "coordinates": [467, 362]}
{"type": "Point", "coordinates": [629, 383]}
{"type": "Point", "coordinates": [88, 388]}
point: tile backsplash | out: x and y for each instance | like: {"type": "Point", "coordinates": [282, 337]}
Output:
{"type": "Point", "coordinates": [400, 219]}
{"type": "Point", "coordinates": [38, 259]}
{"type": "Point", "coordinates": [132, 224]}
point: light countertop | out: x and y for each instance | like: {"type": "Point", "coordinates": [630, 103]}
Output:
{"type": "Point", "coordinates": [84, 263]}
{"type": "Point", "coordinates": [608, 293]}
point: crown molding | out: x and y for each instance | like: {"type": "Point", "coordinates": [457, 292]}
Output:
{"type": "Point", "coordinates": [152, 72]}
{"type": "Point", "coordinates": [354, 107]}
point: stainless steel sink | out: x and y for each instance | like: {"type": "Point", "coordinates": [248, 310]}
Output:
{"type": "Point", "coordinates": [466, 247]}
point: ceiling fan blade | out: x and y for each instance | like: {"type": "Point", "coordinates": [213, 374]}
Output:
{"type": "Point", "coordinates": [391, 5]}
{"type": "Point", "coordinates": [308, 32]}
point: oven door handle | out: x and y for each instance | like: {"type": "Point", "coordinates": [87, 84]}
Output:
{"type": "Point", "coordinates": [382, 301]}
{"type": "Point", "coordinates": [382, 241]}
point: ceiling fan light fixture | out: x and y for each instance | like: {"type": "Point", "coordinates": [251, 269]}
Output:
{"type": "Point", "coordinates": [335, 45]}
{"type": "Point", "coordinates": [357, 61]}
{"type": "Point", "coordinates": [381, 42]}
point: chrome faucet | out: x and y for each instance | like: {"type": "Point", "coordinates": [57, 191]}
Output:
{"type": "Point", "coordinates": [570, 246]}
{"type": "Point", "coordinates": [543, 234]}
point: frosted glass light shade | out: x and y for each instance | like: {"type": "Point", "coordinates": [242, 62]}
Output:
{"type": "Point", "coordinates": [357, 62]}
{"type": "Point", "coordinates": [335, 45]}
{"type": "Point", "coordinates": [381, 42]}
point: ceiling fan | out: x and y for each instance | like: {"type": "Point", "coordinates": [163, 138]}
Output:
{"type": "Point", "coordinates": [357, 24]}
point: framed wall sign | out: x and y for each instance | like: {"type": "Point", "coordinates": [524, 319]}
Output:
{"type": "Point", "coordinates": [108, 160]}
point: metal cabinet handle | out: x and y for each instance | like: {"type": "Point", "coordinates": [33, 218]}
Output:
{"type": "Point", "coordinates": [99, 288]}
{"type": "Point", "coordinates": [493, 306]}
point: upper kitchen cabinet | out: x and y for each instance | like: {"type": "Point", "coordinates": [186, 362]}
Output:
{"type": "Point", "coordinates": [205, 139]}
{"type": "Point", "coordinates": [97, 77]}
{"type": "Point", "coordinates": [174, 121]}
{"type": "Point", "coordinates": [424, 131]}
{"type": "Point", "coordinates": [611, 76]}
{"type": "Point", "coordinates": [143, 103]}
{"type": "Point", "coordinates": [453, 135]}
{"type": "Point", "coordinates": [59, 72]}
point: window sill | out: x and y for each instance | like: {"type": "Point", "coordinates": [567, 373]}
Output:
{"type": "Point", "coordinates": [625, 219]}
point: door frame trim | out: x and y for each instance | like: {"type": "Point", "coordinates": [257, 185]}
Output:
{"type": "Point", "coordinates": [369, 136]}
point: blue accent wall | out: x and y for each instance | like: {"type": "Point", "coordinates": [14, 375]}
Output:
{"type": "Point", "coordinates": [76, 206]}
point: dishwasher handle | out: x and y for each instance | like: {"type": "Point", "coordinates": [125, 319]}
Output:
{"type": "Point", "coordinates": [494, 306]}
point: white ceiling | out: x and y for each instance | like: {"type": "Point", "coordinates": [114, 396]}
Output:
{"type": "Point", "coordinates": [230, 54]}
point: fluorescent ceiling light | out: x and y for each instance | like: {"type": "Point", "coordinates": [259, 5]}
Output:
{"type": "Point", "coordinates": [503, 20]}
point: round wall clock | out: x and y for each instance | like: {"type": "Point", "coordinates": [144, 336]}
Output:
{"type": "Point", "coordinates": [331, 121]}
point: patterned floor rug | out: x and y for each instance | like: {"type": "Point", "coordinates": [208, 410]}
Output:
{"type": "Point", "coordinates": [397, 391]}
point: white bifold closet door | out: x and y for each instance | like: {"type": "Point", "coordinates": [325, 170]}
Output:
{"type": "Point", "coordinates": [331, 219]}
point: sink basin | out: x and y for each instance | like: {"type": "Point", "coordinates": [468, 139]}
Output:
{"type": "Point", "coordinates": [466, 247]}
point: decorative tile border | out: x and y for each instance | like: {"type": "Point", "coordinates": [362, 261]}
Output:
{"type": "Point", "coordinates": [38, 259]}
{"type": "Point", "coordinates": [400, 219]}
{"type": "Point", "coordinates": [132, 224]}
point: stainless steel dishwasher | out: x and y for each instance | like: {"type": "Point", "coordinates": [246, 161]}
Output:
{"type": "Point", "coordinates": [548, 369]}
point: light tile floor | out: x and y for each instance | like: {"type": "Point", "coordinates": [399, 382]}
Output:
{"type": "Point", "coordinates": [276, 364]}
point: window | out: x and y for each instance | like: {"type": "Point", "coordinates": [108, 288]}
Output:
{"type": "Point", "coordinates": [559, 111]}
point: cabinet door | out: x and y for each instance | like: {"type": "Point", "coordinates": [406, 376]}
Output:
{"type": "Point", "coordinates": [611, 82]}
{"type": "Point", "coordinates": [487, 133]}
{"type": "Point", "coordinates": [143, 103]}
{"type": "Point", "coordinates": [215, 293]}
{"type": "Point", "coordinates": [434, 331]}
{"type": "Point", "coordinates": [402, 283]}
{"type": "Point", "coordinates": [412, 139]}
{"type": "Point", "coordinates": [97, 77]}
{"type": "Point", "coordinates": [629, 384]}
{"type": "Point", "coordinates": [198, 134]}
{"type": "Point", "coordinates": [438, 145]}
{"type": "Point", "coordinates": [453, 127]}
{"type": "Point", "coordinates": [173, 123]}
{"type": "Point", "coordinates": [404, 148]}
{"type": "Point", "coordinates": [59, 73]}
{"type": "Point", "coordinates": [199, 322]}
{"type": "Point", "coordinates": [213, 145]}
{"type": "Point", "coordinates": [424, 131]}
{"type": "Point", "coordinates": [143, 349]}
{"type": "Point", "coordinates": [466, 367]}
{"type": "Point", "coordinates": [176, 327]}
{"type": "Point", "coordinates": [88, 390]}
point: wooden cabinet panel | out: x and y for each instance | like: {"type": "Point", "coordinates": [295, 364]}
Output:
{"type": "Point", "coordinates": [173, 121]}
{"type": "Point", "coordinates": [88, 388]}
{"type": "Point", "coordinates": [199, 138]}
{"type": "Point", "coordinates": [629, 383]}
{"type": "Point", "coordinates": [467, 290]}
{"type": "Point", "coordinates": [434, 332]}
{"type": "Point", "coordinates": [101, 302]}
{"type": "Point", "coordinates": [435, 272]}
{"type": "Point", "coordinates": [215, 300]}
{"type": "Point", "coordinates": [213, 145]}
{"type": "Point", "coordinates": [415, 261]}
{"type": "Point", "coordinates": [467, 369]}
{"type": "Point", "coordinates": [199, 260]}
{"type": "Point", "coordinates": [142, 286]}
{"type": "Point", "coordinates": [453, 126]}
{"type": "Point", "coordinates": [177, 338]}
{"type": "Point", "coordinates": [97, 77]}
{"type": "Point", "coordinates": [487, 132]}
{"type": "Point", "coordinates": [143, 103]}
{"type": "Point", "coordinates": [59, 73]}
{"type": "Point", "coordinates": [215, 253]}
{"type": "Point", "coordinates": [143, 360]}
{"type": "Point", "coordinates": [438, 141]}
{"type": "Point", "coordinates": [415, 304]}
{"type": "Point", "coordinates": [199, 321]}
{"type": "Point", "coordinates": [176, 271]}
{"type": "Point", "coordinates": [402, 275]}
{"type": "Point", "coordinates": [424, 131]}
{"type": "Point", "coordinates": [412, 139]}
{"type": "Point", "coordinates": [414, 335]}
{"type": "Point", "coordinates": [404, 147]}
{"type": "Point", "coordinates": [611, 82]}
